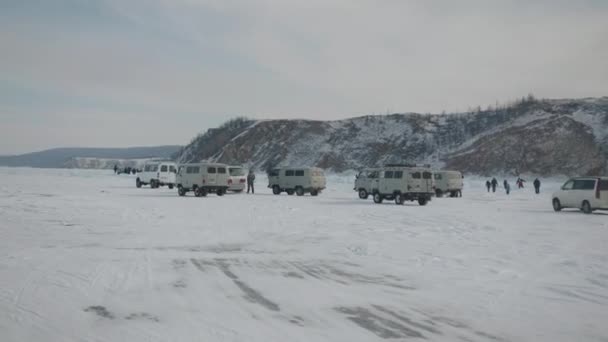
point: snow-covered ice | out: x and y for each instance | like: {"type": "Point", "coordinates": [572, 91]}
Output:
{"type": "Point", "coordinates": [85, 256]}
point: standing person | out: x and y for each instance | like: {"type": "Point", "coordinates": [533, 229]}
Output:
{"type": "Point", "coordinates": [250, 181]}
{"type": "Point", "coordinates": [507, 187]}
{"type": "Point", "coordinates": [520, 182]}
{"type": "Point", "coordinates": [488, 185]}
{"type": "Point", "coordinates": [115, 168]}
{"type": "Point", "coordinates": [537, 185]}
{"type": "Point", "coordinates": [505, 183]}
{"type": "Point", "coordinates": [494, 184]}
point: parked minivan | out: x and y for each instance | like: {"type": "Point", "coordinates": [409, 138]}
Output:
{"type": "Point", "coordinates": [202, 178]}
{"type": "Point", "coordinates": [405, 184]}
{"type": "Point", "coordinates": [237, 178]}
{"type": "Point", "coordinates": [365, 181]}
{"type": "Point", "coordinates": [448, 183]}
{"type": "Point", "coordinates": [297, 180]}
{"type": "Point", "coordinates": [157, 174]}
{"type": "Point", "coordinates": [585, 193]}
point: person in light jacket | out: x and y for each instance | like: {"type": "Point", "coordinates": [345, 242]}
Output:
{"type": "Point", "coordinates": [250, 181]}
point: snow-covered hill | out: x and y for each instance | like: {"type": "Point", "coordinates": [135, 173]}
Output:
{"type": "Point", "coordinates": [532, 136]}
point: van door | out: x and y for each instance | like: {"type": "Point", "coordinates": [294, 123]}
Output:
{"type": "Point", "coordinates": [163, 173]}
{"type": "Point", "coordinates": [387, 185]}
{"type": "Point", "coordinates": [583, 189]}
{"type": "Point", "coordinates": [415, 181]}
{"type": "Point", "coordinates": [300, 180]}
{"type": "Point", "coordinates": [602, 193]}
{"type": "Point", "coordinates": [427, 182]}
{"type": "Point", "coordinates": [211, 179]}
{"type": "Point", "coordinates": [287, 179]}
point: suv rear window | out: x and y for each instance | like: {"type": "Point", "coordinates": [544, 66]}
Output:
{"type": "Point", "coordinates": [584, 184]}
{"type": "Point", "coordinates": [221, 170]}
{"type": "Point", "coordinates": [427, 175]}
{"type": "Point", "coordinates": [289, 173]}
{"type": "Point", "coordinates": [416, 175]}
{"type": "Point", "coordinates": [299, 173]}
{"type": "Point", "coordinates": [211, 170]}
{"type": "Point", "coordinates": [164, 168]}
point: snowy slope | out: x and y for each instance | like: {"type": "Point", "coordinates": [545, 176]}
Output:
{"type": "Point", "coordinates": [528, 136]}
{"type": "Point", "coordinates": [84, 255]}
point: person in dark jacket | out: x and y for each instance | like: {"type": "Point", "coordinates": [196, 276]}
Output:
{"type": "Point", "coordinates": [115, 168]}
{"type": "Point", "coordinates": [494, 184]}
{"type": "Point", "coordinates": [537, 185]}
{"type": "Point", "coordinates": [488, 185]}
{"type": "Point", "coordinates": [507, 187]}
{"type": "Point", "coordinates": [250, 181]}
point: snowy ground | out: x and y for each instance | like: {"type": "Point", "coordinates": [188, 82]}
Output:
{"type": "Point", "coordinates": [85, 256]}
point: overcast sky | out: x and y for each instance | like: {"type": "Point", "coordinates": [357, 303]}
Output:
{"type": "Point", "coordinates": [112, 73]}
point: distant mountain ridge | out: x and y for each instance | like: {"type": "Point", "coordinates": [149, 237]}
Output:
{"type": "Point", "coordinates": [85, 157]}
{"type": "Point", "coordinates": [545, 137]}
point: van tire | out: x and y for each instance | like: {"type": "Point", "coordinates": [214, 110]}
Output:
{"type": "Point", "coordinates": [276, 190]}
{"type": "Point", "coordinates": [138, 183]}
{"type": "Point", "coordinates": [557, 206]}
{"type": "Point", "coordinates": [289, 192]}
{"type": "Point", "coordinates": [220, 192]}
{"type": "Point", "coordinates": [377, 198]}
{"type": "Point", "coordinates": [438, 193]}
{"type": "Point", "coordinates": [181, 191]}
{"type": "Point", "coordinates": [314, 192]}
{"type": "Point", "coordinates": [422, 201]}
{"type": "Point", "coordinates": [299, 191]}
{"type": "Point", "coordinates": [363, 194]}
{"type": "Point", "coordinates": [152, 184]}
{"type": "Point", "coordinates": [170, 186]}
{"type": "Point", "coordinates": [586, 207]}
{"type": "Point", "coordinates": [398, 199]}
{"type": "Point", "coordinates": [203, 192]}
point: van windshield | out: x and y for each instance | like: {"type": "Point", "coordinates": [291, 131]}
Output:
{"type": "Point", "coordinates": [237, 171]}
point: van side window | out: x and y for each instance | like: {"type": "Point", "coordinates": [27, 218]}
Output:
{"type": "Point", "coordinates": [164, 168]}
{"type": "Point", "coordinates": [568, 185]}
{"type": "Point", "coordinates": [584, 184]}
{"type": "Point", "coordinates": [388, 174]}
{"type": "Point", "coordinates": [427, 175]}
{"type": "Point", "coordinates": [188, 169]}
{"type": "Point", "coordinates": [273, 173]}
{"type": "Point", "coordinates": [438, 176]}
{"type": "Point", "coordinates": [211, 170]}
{"type": "Point", "coordinates": [603, 185]}
{"type": "Point", "coordinates": [416, 175]}
{"type": "Point", "coordinates": [196, 169]}
{"type": "Point", "coordinates": [299, 173]}
{"type": "Point", "coordinates": [172, 168]}
{"type": "Point", "coordinates": [289, 173]}
{"type": "Point", "coordinates": [154, 168]}
{"type": "Point", "coordinates": [398, 174]}
{"type": "Point", "coordinates": [221, 170]}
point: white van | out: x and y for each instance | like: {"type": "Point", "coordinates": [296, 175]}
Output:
{"type": "Point", "coordinates": [585, 193]}
{"type": "Point", "coordinates": [157, 174]}
{"type": "Point", "coordinates": [296, 180]}
{"type": "Point", "coordinates": [237, 178]}
{"type": "Point", "coordinates": [448, 182]}
{"type": "Point", "coordinates": [405, 184]}
{"type": "Point", "coordinates": [365, 181]}
{"type": "Point", "coordinates": [202, 178]}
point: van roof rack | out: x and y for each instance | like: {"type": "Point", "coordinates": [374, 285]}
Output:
{"type": "Point", "coordinates": [407, 165]}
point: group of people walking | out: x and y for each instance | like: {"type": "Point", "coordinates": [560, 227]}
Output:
{"type": "Point", "coordinates": [493, 184]}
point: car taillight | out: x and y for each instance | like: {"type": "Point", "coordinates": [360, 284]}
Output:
{"type": "Point", "coordinates": [597, 188]}
{"type": "Point", "coordinates": [204, 181]}
{"type": "Point", "coordinates": [229, 181]}
{"type": "Point", "coordinates": [242, 180]}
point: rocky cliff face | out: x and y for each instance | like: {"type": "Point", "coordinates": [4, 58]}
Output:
{"type": "Point", "coordinates": [542, 137]}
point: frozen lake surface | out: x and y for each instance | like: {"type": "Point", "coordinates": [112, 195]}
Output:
{"type": "Point", "coordinates": [85, 256]}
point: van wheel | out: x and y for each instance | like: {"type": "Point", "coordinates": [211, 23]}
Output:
{"type": "Point", "coordinates": [289, 192]}
{"type": "Point", "coordinates": [276, 190]}
{"type": "Point", "coordinates": [170, 186]}
{"type": "Point", "coordinates": [422, 201]}
{"type": "Point", "coordinates": [314, 192]}
{"type": "Point", "coordinates": [203, 192]}
{"type": "Point", "coordinates": [586, 207]}
{"type": "Point", "coordinates": [438, 193]}
{"type": "Point", "coordinates": [363, 194]}
{"type": "Point", "coordinates": [398, 199]}
{"type": "Point", "coordinates": [299, 191]}
{"type": "Point", "coordinates": [557, 206]}
{"type": "Point", "coordinates": [378, 198]}
{"type": "Point", "coordinates": [181, 191]}
{"type": "Point", "coordinates": [220, 192]}
{"type": "Point", "coordinates": [138, 183]}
